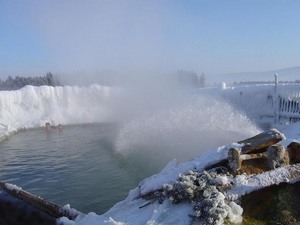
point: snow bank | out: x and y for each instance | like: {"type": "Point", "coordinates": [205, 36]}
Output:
{"type": "Point", "coordinates": [255, 100]}
{"type": "Point", "coordinates": [243, 184]}
{"type": "Point", "coordinates": [34, 106]}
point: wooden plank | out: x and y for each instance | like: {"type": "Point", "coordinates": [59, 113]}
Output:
{"type": "Point", "coordinates": [39, 203]}
{"type": "Point", "coordinates": [260, 142]}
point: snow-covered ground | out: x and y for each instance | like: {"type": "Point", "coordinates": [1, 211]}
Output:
{"type": "Point", "coordinates": [34, 106]}
{"type": "Point", "coordinates": [129, 211]}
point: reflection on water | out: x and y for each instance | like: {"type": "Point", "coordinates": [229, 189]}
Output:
{"type": "Point", "coordinates": [76, 166]}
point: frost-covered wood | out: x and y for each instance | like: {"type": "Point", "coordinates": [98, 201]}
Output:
{"type": "Point", "coordinates": [260, 142]}
{"type": "Point", "coordinates": [39, 203]}
{"type": "Point", "coordinates": [275, 156]}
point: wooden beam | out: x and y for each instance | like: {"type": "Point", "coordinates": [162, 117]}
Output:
{"type": "Point", "coordinates": [39, 203]}
{"type": "Point", "coordinates": [261, 141]}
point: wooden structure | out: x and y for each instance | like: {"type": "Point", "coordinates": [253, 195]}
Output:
{"type": "Point", "coordinates": [39, 203]}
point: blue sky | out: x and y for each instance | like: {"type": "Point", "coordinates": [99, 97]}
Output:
{"type": "Point", "coordinates": [210, 36]}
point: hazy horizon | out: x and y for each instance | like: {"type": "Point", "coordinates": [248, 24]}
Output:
{"type": "Point", "coordinates": [164, 78]}
{"type": "Point", "coordinates": [208, 36]}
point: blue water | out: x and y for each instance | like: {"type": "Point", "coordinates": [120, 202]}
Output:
{"type": "Point", "coordinates": [92, 167]}
{"type": "Point", "coordinates": [76, 166]}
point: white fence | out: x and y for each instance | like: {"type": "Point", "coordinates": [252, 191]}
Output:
{"type": "Point", "coordinates": [288, 109]}
{"type": "Point", "coordinates": [266, 103]}
{"type": "Point", "coordinates": [286, 106]}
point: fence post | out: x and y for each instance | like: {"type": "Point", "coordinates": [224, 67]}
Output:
{"type": "Point", "coordinates": [275, 99]}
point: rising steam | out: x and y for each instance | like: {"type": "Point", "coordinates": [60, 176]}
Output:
{"type": "Point", "coordinates": [184, 132]}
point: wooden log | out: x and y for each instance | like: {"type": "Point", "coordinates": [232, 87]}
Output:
{"type": "Point", "coordinates": [260, 142]}
{"type": "Point", "coordinates": [39, 203]}
{"type": "Point", "coordinates": [255, 144]}
{"type": "Point", "coordinates": [275, 156]}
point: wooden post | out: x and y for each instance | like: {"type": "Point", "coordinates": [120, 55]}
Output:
{"type": "Point", "coordinates": [275, 99]}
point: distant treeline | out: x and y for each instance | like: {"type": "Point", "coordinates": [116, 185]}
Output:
{"type": "Point", "coordinates": [191, 79]}
{"type": "Point", "coordinates": [19, 82]}
{"type": "Point", "coordinates": [265, 82]}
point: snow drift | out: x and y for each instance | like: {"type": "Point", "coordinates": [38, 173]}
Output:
{"type": "Point", "coordinates": [34, 106]}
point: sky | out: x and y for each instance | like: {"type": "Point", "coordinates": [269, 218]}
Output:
{"type": "Point", "coordinates": [205, 36]}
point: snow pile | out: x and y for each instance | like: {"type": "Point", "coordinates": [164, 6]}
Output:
{"type": "Point", "coordinates": [243, 184]}
{"type": "Point", "coordinates": [254, 100]}
{"type": "Point", "coordinates": [34, 106]}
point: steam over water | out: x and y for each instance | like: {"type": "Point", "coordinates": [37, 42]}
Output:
{"type": "Point", "coordinates": [182, 132]}
{"type": "Point", "coordinates": [92, 167]}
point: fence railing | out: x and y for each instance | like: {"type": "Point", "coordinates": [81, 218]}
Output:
{"type": "Point", "coordinates": [288, 109]}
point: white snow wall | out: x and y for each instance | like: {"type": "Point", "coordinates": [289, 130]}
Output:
{"type": "Point", "coordinates": [34, 106]}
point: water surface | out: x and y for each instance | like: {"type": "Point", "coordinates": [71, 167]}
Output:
{"type": "Point", "coordinates": [76, 166]}
{"type": "Point", "coordinates": [92, 167]}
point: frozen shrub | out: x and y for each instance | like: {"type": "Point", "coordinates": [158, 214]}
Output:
{"type": "Point", "coordinates": [201, 190]}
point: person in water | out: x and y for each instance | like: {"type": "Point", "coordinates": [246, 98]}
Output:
{"type": "Point", "coordinates": [49, 127]}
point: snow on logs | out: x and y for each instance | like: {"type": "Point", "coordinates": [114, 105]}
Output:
{"type": "Point", "coordinates": [255, 163]}
{"type": "Point", "coordinates": [39, 203]}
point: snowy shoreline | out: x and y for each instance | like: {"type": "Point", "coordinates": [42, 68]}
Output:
{"type": "Point", "coordinates": [129, 211]}
{"type": "Point", "coordinates": [32, 107]}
